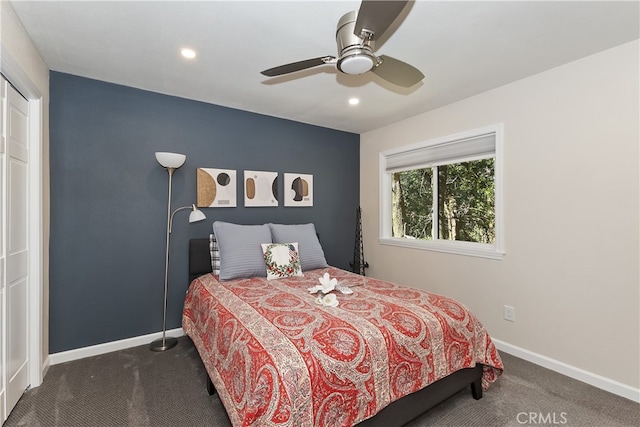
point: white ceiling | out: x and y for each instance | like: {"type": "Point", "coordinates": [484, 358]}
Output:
{"type": "Point", "coordinates": [463, 48]}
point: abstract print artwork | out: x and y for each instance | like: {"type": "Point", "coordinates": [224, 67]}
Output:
{"type": "Point", "coordinates": [216, 188]}
{"type": "Point", "coordinates": [260, 188]}
{"type": "Point", "coordinates": [298, 189]}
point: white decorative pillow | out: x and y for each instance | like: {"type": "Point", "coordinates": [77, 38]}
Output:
{"type": "Point", "coordinates": [282, 260]}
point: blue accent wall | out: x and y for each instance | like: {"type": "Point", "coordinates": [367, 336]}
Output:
{"type": "Point", "coordinates": [109, 198]}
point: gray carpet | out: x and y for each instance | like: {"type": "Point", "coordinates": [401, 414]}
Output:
{"type": "Point", "coordinates": [138, 387]}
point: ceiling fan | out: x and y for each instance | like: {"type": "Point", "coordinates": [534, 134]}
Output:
{"type": "Point", "coordinates": [356, 35]}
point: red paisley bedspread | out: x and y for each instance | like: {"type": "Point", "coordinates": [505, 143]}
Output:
{"type": "Point", "coordinates": [277, 358]}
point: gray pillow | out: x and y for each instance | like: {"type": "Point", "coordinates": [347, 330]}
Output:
{"type": "Point", "coordinates": [240, 250]}
{"type": "Point", "coordinates": [309, 248]}
{"type": "Point", "coordinates": [214, 253]}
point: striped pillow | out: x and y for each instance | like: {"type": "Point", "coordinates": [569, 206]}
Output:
{"type": "Point", "coordinates": [309, 248]}
{"type": "Point", "coordinates": [215, 254]}
{"type": "Point", "coordinates": [240, 250]}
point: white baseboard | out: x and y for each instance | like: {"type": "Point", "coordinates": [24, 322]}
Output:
{"type": "Point", "coordinates": [95, 350]}
{"type": "Point", "coordinates": [45, 366]}
{"type": "Point", "coordinates": [595, 380]}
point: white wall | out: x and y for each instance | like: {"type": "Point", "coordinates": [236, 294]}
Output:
{"type": "Point", "coordinates": [27, 63]}
{"type": "Point", "coordinates": [572, 214]}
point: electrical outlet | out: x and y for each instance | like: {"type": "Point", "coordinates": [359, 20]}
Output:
{"type": "Point", "coordinates": [509, 313]}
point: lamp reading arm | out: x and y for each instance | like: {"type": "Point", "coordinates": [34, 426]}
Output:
{"type": "Point", "coordinates": [195, 215]}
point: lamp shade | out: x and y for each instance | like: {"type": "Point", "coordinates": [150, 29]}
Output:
{"type": "Point", "coordinates": [170, 160]}
{"type": "Point", "coordinates": [196, 215]}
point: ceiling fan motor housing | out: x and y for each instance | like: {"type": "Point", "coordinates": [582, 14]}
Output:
{"type": "Point", "coordinates": [356, 54]}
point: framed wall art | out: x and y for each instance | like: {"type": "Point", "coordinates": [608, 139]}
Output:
{"type": "Point", "coordinates": [216, 188]}
{"type": "Point", "coordinates": [260, 188]}
{"type": "Point", "coordinates": [298, 189]}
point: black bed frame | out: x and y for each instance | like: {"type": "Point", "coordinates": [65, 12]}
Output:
{"type": "Point", "coordinates": [397, 413]}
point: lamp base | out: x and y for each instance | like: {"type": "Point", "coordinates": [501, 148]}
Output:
{"type": "Point", "coordinates": [159, 345]}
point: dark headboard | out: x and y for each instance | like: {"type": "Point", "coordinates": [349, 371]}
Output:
{"type": "Point", "coordinates": [199, 258]}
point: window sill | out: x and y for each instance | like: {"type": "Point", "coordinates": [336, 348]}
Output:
{"type": "Point", "coordinates": [480, 250]}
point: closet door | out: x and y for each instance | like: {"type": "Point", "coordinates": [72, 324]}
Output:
{"type": "Point", "coordinates": [16, 313]}
{"type": "Point", "coordinates": [3, 159]}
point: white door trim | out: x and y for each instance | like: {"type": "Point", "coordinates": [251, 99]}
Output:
{"type": "Point", "coordinates": [14, 73]}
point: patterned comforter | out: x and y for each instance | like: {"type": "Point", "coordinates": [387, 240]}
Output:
{"type": "Point", "coordinates": [277, 358]}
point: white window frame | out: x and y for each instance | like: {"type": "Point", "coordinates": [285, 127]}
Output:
{"type": "Point", "coordinates": [492, 251]}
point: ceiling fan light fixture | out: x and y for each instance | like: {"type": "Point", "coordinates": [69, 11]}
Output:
{"type": "Point", "coordinates": [356, 35]}
{"type": "Point", "coordinates": [357, 62]}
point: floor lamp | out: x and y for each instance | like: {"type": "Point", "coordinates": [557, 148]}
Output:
{"type": "Point", "coordinates": [171, 162]}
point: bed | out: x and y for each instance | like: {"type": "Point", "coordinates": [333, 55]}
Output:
{"type": "Point", "coordinates": [382, 357]}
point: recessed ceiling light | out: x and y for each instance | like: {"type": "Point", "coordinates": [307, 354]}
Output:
{"type": "Point", "coordinates": [354, 101]}
{"type": "Point", "coordinates": [188, 53]}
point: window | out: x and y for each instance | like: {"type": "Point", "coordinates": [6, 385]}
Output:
{"type": "Point", "coordinates": [445, 194]}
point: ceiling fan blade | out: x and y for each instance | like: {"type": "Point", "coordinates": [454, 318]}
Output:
{"type": "Point", "coordinates": [397, 72]}
{"type": "Point", "coordinates": [376, 16]}
{"type": "Point", "coordinates": [297, 66]}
